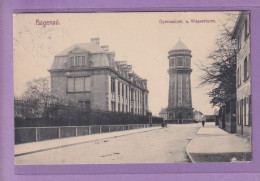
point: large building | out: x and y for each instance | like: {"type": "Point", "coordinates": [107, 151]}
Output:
{"type": "Point", "coordinates": [241, 33]}
{"type": "Point", "coordinates": [89, 74]}
{"type": "Point", "coordinates": [179, 98]}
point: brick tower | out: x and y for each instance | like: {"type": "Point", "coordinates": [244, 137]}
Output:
{"type": "Point", "coordinates": [179, 98]}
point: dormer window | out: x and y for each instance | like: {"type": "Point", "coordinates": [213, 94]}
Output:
{"type": "Point", "coordinates": [78, 61]}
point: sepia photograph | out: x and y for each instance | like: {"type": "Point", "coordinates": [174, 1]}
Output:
{"type": "Point", "coordinates": [132, 87]}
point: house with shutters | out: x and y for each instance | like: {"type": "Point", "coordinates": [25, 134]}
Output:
{"type": "Point", "coordinates": [241, 33]}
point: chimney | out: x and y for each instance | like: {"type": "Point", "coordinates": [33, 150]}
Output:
{"type": "Point", "coordinates": [145, 82]}
{"type": "Point", "coordinates": [95, 40]}
{"type": "Point", "coordinates": [105, 48]}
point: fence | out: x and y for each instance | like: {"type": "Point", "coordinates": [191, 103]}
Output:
{"type": "Point", "coordinates": [34, 134]}
{"type": "Point", "coordinates": [57, 115]}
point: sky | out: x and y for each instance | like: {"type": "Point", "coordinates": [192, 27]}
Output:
{"type": "Point", "coordinates": [141, 39]}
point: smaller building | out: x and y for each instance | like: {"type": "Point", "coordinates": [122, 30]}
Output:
{"type": "Point", "coordinates": [198, 116]}
{"type": "Point", "coordinates": [241, 33]}
{"type": "Point", "coordinates": [163, 113]}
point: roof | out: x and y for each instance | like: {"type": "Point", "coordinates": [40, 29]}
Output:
{"type": "Point", "coordinates": [180, 46]}
{"type": "Point", "coordinates": [239, 23]}
{"type": "Point", "coordinates": [89, 47]}
{"type": "Point", "coordinates": [163, 111]}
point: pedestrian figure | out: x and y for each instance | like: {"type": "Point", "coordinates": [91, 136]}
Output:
{"type": "Point", "coordinates": [203, 123]}
{"type": "Point", "coordinates": [163, 124]}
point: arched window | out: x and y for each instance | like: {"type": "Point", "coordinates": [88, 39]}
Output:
{"type": "Point", "coordinates": [245, 69]}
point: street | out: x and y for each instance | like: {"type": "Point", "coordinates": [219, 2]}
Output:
{"type": "Point", "coordinates": [157, 146]}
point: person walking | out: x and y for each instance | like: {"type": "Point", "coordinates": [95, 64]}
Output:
{"type": "Point", "coordinates": [203, 123]}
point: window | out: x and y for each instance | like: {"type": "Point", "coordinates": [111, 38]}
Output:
{"type": "Point", "coordinates": [132, 94]}
{"type": "Point", "coordinates": [85, 104]}
{"type": "Point", "coordinates": [70, 85]}
{"type": "Point", "coordinates": [241, 111]}
{"type": "Point", "coordinates": [118, 107]}
{"type": "Point", "coordinates": [239, 42]}
{"type": "Point", "coordinates": [78, 61]}
{"type": "Point", "coordinates": [78, 84]}
{"type": "Point", "coordinates": [126, 108]}
{"type": "Point", "coordinates": [171, 63]}
{"type": "Point", "coordinates": [87, 84]}
{"type": "Point", "coordinates": [238, 111]}
{"type": "Point", "coordinates": [112, 85]}
{"type": "Point", "coordinates": [135, 96]}
{"type": "Point", "coordinates": [126, 91]}
{"type": "Point", "coordinates": [123, 108]}
{"type": "Point", "coordinates": [123, 91]}
{"type": "Point", "coordinates": [84, 61]}
{"type": "Point", "coordinates": [180, 61]}
{"type": "Point", "coordinates": [187, 62]}
{"type": "Point", "coordinates": [245, 69]}
{"type": "Point", "coordinates": [113, 106]}
{"type": "Point", "coordinates": [118, 88]}
{"type": "Point", "coordinates": [246, 111]}
{"type": "Point", "coordinates": [246, 30]}
{"type": "Point", "coordinates": [238, 77]}
{"type": "Point", "coordinates": [250, 111]}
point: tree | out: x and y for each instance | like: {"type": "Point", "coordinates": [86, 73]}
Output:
{"type": "Point", "coordinates": [221, 72]}
{"type": "Point", "coordinates": [38, 98]}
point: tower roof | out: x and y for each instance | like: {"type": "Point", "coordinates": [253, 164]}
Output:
{"type": "Point", "coordinates": [180, 46]}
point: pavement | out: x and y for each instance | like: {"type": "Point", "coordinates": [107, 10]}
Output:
{"type": "Point", "coordinates": [33, 147]}
{"type": "Point", "coordinates": [212, 144]}
{"type": "Point", "coordinates": [175, 144]}
{"type": "Point", "coordinates": [148, 145]}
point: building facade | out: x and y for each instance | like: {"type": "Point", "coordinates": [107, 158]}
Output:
{"type": "Point", "coordinates": [198, 116]}
{"type": "Point", "coordinates": [179, 98]}
{"type": "Point", "coordinates": [89, 74]}
{"type": "Point", "coordinates": [241, 33]}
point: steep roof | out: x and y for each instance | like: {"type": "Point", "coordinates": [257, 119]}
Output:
{"type": "Point", "coordinates": [89, 47]}
{"type": "Point", "coordinates": [180, 46]}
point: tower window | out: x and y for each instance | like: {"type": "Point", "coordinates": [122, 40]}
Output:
{"type": "Point", "coordinates": [187, 62]}
{"type": "Point", "coordinates": [172, 62]}
{"type": "Point", "coordinates": [179, 61]}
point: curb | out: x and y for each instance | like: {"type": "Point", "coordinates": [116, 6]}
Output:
{"type": "Point", "coordinates": [72, 144]}
{"type": "Point", "coordinates": [188, 153]}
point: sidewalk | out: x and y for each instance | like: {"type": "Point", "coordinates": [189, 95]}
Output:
{"type": "Point", "coordinates": [212, 144]}
{"type": "Point", "coordinates": [27, 148]}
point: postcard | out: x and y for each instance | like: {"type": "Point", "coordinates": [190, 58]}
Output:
{"type": "Point", "coordinates": [132, 87]}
